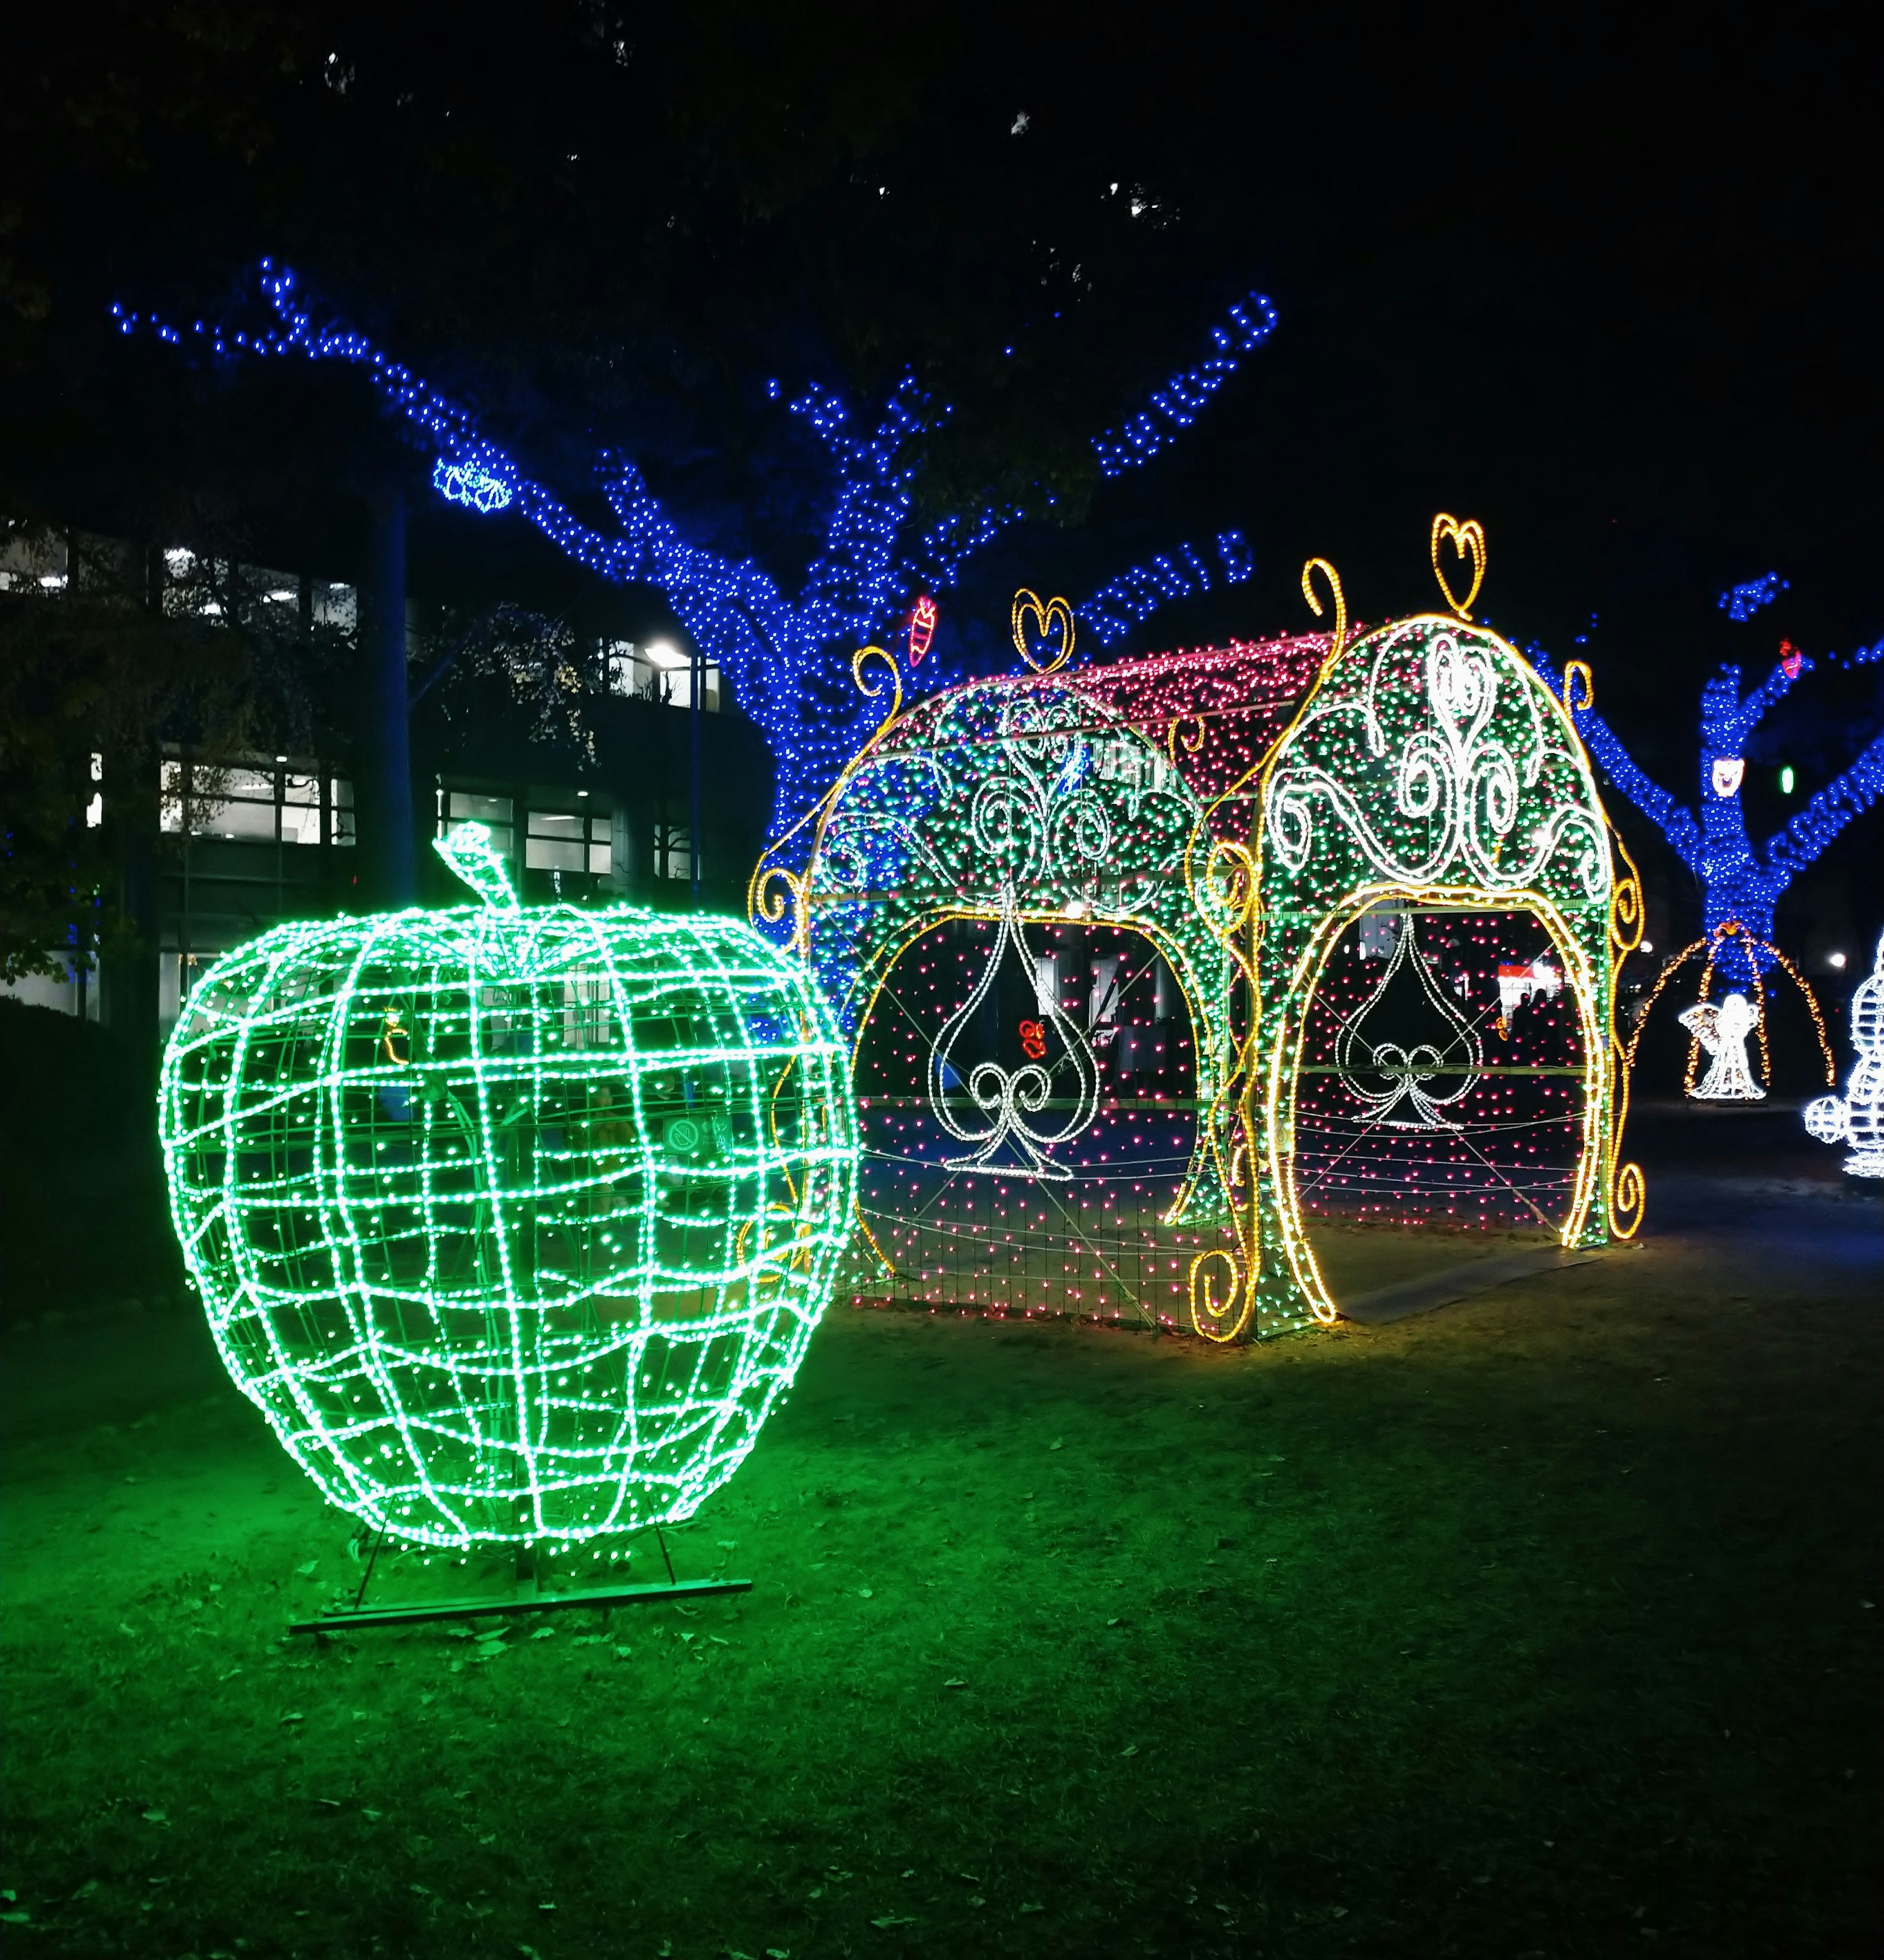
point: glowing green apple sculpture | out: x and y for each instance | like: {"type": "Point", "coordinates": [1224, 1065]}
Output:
{"type": "Point", "coordinates": [514, 1223]}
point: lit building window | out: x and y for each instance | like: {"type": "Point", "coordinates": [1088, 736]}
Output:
{"type": "Point", "coordinates": [569, 841]}
{"type": "Point", "coordinates": [254, 800]}
{"type": "Point", "coordinates": [673, 851]}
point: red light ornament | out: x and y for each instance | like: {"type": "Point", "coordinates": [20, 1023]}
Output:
{"type": "Point", "coordinates": [922, 624]}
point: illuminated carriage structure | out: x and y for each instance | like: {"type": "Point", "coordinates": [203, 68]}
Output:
{"type": "Point", "coordinates": [1163, 977]}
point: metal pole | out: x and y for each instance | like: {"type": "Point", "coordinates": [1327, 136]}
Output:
{"type": "Point", "coordinates": [693, 830]}
{"type": "Point", "coordinates": [384, 813]}
{"type": "Point", "coordinates": [527, 1603]}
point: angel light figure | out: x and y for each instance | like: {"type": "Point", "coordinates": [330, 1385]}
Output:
{"type": "Point", "coordinates": [1722, 1030]}
{"type": "Point", "coordinates": [1857, 1117]}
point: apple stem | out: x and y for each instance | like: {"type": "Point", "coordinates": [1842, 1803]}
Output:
{"type": "Point", "coordinates": [467, 849]}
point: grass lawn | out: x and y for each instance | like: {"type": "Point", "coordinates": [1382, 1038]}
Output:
{"type": "Point", "coordinates": [1539, 1625]}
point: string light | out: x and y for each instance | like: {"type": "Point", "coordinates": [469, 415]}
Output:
{"type": "Point", "coordinates": [1731, 947]}
{"type": "Point", "coordinates": [1173, 408]}
{"type": "Point", "coordinates": [775, 653]}
{"type": "Point", "coordinates": [1467, 539]}
{"type": "Point", "coordinates": [1722, 1029]}
{"type": "Point", "coordinates": [1741, 602]}
{"type": "Point", "coordinates": [1857, 1117]}
{"type": "Point", "coordinates": [922, 624]}
{"type": "Point", "coordinates": [1391, 1084]}
{"type": "Point", "coordinates": [1005, 1100]}
{"type": "Point", "coordinates": [1119, 605]}
{"type": "Point", "coordinates": [1432, 771]}
{"type": "Point", "coordinates": [514, 1223]}
{"type": "Point", "coordinates": [1044, 635]}
{"type": "Point", "coordinates": [1003, 836]}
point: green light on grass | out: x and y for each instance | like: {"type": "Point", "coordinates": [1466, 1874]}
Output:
{"type": "Point", "coordinates": [515, 1223]}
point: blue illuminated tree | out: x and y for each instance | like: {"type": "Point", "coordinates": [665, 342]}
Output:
{"type": "Point", "coordinates": [788, 658]}
{"type": "Point", "coordinates": [1740, 879]}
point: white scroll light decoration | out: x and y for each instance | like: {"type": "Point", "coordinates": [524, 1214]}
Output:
{"type": "Point", "coordinates": [1722, 1028]}
{"type": "Point", "coordinates": [1857, 1117]}
{"type": "Point", "coordinates": [1406, 1103]}
{"type": "Point", "coordinates": [1010, 1097]}
{"type": "Point", "coordinates": [1461, 782]}
{"type": "Point", "coordinates": [995, 801]}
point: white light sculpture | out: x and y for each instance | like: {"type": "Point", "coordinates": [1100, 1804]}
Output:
{"type": "Point", "coordinates": [1857, 1117]}
{"type": "Point", "coordinates": [1722, 1028]}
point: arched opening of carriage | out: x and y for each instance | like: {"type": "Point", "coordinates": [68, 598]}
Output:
{"type": "Point", "coordinates": [1027, 1099]}
{"type": "Point", "coordinates": [1442, 1097]}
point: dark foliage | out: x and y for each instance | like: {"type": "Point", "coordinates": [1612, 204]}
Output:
{"type": "Point", "coordinates": [83, 1217]}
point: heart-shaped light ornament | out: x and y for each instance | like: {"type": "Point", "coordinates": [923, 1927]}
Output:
{"type": "Point", "coordinates": [1468, 541]}
{"type": "Point", "coordinates": [1028, 608]}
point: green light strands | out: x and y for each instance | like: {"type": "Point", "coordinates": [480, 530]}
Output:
{"type": "Point", "coordinates": [515, 1223]}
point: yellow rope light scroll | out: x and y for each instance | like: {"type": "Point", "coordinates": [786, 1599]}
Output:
{"type": "Point", "coordinates": [1333, 578]}
{"type": "Point", "coordinates": [864, 687]}
{"type": "Point", "coordinates": [774, 886]}
{"type": "Point", "coordinates": [1628, 1189]}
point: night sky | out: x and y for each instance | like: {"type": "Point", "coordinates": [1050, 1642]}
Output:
{"type": "Point", "coordinates": [1611, 288]}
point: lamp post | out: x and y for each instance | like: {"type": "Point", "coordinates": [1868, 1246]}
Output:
{"type": "Point", "coordinates": [384, 784]}
{"type": "Point", "coordinates": [693, 814]}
